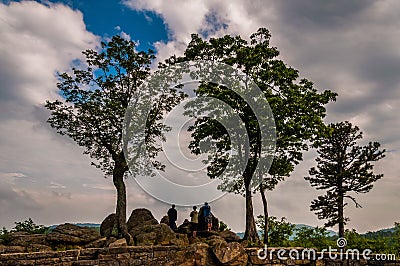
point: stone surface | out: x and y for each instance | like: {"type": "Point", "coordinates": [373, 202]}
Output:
{"type": "Point", "coordinates": [25, 239]}
{"type": "Point", "coordinates": [37, 248]}
{"type": "Point", "coordinates": [228, 253]}
{"type": "Point", "coordinates": [159, 234]}
{"type": "Point", "coordinates": [12, 249]}
{"type": "Point", "coordinates": [229, 236]}
{"type": "Point", "coordinates": [196, 254]}
{"type": "Point", "coordinates": [99, 243]}
{"type": "Point", "coordinates": [141, 217]}
{"type": "Point", "coordinates": [180, 240]}
{"type": "Point", "coordinates": [118, 243]}
{"type": "Point", "coordinates": [164, 220]}
{"type": "Point", "coordinates": [193, 255]}
{"type": "Point", "coordinates": [185, 227]}
{"type": "Point", "coordinates": [72, 234]}
{"type": "Point", "coordinates": [108, 225]}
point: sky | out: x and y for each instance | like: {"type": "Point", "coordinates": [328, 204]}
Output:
{"type": "Point", "coordinates": [350, 47]}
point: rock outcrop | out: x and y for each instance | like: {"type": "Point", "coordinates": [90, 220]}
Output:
{"type": "Point", "coordinates": [69, 234]}
{"type": "Point", "coordinates": [108, 225]}
{"type": "Point", "coordinates": [228, 253]}
{"type": "Point", "coordinates": [207, 248]}
{"type": "Point", "coordinates": [164, 220]}
{"type": "Point", "coordinates": [141, 217]}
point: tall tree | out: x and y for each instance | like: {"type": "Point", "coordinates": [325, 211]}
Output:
{"type": "Point", "coordinates": [297, 106]}
{"type": "Point", "coordinates": [343, 167]}
{"type": "Point", "coordinates": [93, 109]}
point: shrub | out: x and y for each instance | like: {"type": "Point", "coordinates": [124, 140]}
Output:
{"type": "Point", "coordinates": [29, 227]}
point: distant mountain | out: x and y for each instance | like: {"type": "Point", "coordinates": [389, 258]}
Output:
{"type": "Point", "coordinates": [91, 225]}
{"type": "Point", "coordinates": [387, 232]}
{"type": "Point", "coordinates": [297, 226]}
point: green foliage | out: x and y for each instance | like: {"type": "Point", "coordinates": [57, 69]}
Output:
{"type": "Point", "coordinates": [30, 227]}
{"type": "Point", "coordinates": [27, 226]}
{"type": "Point", "coordinates": [342, 167]}
{"type": "Point", "coordinates": [223, 226]}
{"type": "Point", "coordinates": [96, 100]}
{"type": "Point", "coordinates": [4, 236]}
{"type": "Point", "coordinates": [92, 113]}
{"type": "Point", "coordinates": [279, 231]}
{"type": "Point", "coordinates": [298, 110]}
{"type": "Point", "coordinates": [312, 238]}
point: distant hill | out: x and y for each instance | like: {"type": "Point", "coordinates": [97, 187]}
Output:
{"type": "Point", "coordinates": [297, 226]}
{"type": "Point", "coordinates": [387, 232]}
{"type": "Point", "coordinates": [91, 225]}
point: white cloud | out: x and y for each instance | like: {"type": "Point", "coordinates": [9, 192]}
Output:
{"type": "Point", "coordinates": [125, 36]}
{"type": "Point", "coordinates": [350, 47]}
{"type": "Point", "coordinates": [37, 41]}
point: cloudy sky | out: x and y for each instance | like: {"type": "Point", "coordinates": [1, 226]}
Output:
{"type": "Point", "coordinates": [351, 47]}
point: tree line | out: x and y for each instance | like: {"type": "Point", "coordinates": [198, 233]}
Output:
{"type": "Point", "coordinates": [285, 234]}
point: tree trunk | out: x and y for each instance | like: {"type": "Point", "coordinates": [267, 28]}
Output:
{"type": "Point", "coordinates": [251, 231]}
{"type": "Point", "coordinates": [265, 209]}
{"type": "Point", "coordinates": [341, 215]}
{"type": "Point", "coordinates": [118, 179]}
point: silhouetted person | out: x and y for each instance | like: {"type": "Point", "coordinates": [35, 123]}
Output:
{"type": "Point", "coordinates": [172, 217]}
{"type": "Point", "coordinates": [207, 215]}
{"type": "Point", "coordinates": [194, 220]}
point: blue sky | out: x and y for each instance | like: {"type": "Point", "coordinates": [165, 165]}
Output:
{"type": "Point", "coordinates": [350, 47]}
{"type": "Point", "coordinates": [107, 18]}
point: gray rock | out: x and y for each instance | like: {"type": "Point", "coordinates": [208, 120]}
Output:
{"type": "Point", "coordinates": [25, 239]}
{"type": "Point", "coordinates": [72, 234]}
{"type": "Point", "coordinates": [108, 225]}
{"type": "Point", "coordinates": [229, 236]}
{"type": "Point", "coordinates": [140, 217]}
{"type": "Point", "coordinates": [164, 220]}
{"type": "Point", "coordinates": [228, 253]}
{"type": "Point", "coordinates": [158, 234]}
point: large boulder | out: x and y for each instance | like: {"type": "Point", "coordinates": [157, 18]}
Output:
{"type": "Point", "coordinates": [118, 243]}
{"type": "Point", "coordinates": [164, 220]}
{"type": "Point", "coordinates": [26, 239]}
{"type": "Point", "coordinates": [38, 248]}
{"type": "Point", "coordinates": [185, 227]}
{"type": "Point", "coordinates": [12, 249]}
{"type": "Point", "coordinates": [228, 253]}
{"type": "Point", "coordinates": [229, 236]}
{"type": "Point", "coordinates": [70, 234]}
{"type": "Point", "coordinates": [195, 254]}
{"type": "Point", "coordinates": [141, 217]}
{"type": "Point", "coordinates": [108, 225]}
{"type": "Point", "coordinates": [158, 234]}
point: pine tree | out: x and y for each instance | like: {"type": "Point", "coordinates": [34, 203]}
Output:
{"type": "Point", "coordinates": [343, 167]}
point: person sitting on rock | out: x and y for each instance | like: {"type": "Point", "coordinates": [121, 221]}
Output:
{"type": "Point", "coordinates": [207, 215]}
{"type": "Point", "coordinates": [172, 217]}
{"type": "Point", "coordinates": [194, 220]}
